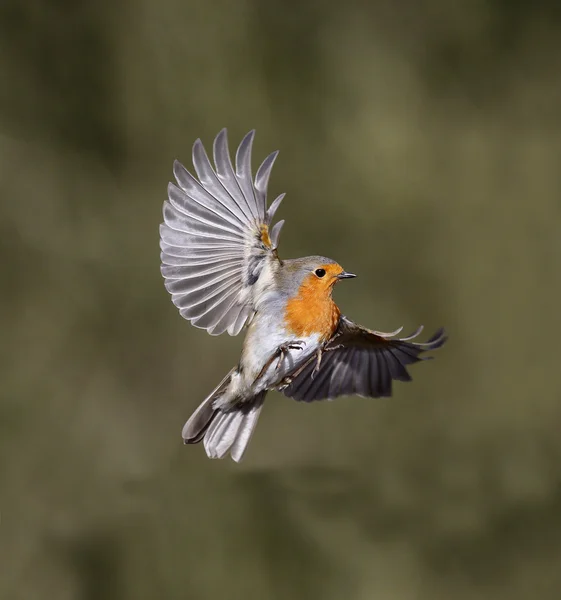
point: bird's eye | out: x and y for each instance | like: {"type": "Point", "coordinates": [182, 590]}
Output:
{"type": "Point", "coordinates": [320, 272]}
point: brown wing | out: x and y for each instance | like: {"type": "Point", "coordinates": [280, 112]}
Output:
{"type": "Point", "coordinates": [358, 361]}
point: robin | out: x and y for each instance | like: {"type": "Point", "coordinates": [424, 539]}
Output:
{"type": "Point", "coordinates": [221, 267]}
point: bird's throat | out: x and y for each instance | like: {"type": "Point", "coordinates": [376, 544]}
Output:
{"type": "Point", "coordinates": [312, 313]}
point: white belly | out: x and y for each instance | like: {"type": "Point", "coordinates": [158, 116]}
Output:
{"type": "Point", "coordinates": [264, 337]}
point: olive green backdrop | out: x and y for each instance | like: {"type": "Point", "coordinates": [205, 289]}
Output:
{"type": "Point", "coordinates": [421, 148]}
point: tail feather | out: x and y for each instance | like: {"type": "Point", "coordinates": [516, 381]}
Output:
{"type": "Point", "coordinates": [246, 429]}
{"type": "Point", "coordinates": [195, 428]}
{"type": "Point", "coordinates": [222, 433]}
{"type": "Point", "coordinates": [222, 430]}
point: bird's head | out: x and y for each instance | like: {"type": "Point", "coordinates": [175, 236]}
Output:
{"type": "Point", "coordinates": [318, 274]}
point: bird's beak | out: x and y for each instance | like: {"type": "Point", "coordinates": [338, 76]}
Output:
{"type": "Point", "coordinates": [345, 275]}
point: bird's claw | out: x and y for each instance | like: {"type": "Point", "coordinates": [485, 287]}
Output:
{"type": "Point", "coordinates": [318, 363]}
{"type": "Point", "coordinates": [284, 383]}
{"type": "Point", "coordinates": [284, 349]}
{"type": "Point", "coordinates": [331, 348]}
{"type": "Point", "coordinates": [296, 345]}
{"type": "Point", "coordinates": [279, 355]}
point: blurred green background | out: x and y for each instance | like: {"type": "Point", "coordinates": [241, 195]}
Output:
{"type": "Point", "coordinates": [420, 147]}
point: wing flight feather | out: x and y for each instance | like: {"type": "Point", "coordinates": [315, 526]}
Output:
{"type": "Point", "coordinates": [215, 240]}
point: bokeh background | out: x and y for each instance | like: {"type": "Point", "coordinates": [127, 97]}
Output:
{"type": "Point", "coordinates": [420, 146]}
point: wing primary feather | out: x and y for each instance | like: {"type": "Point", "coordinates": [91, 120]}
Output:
{"type": "Point", "coordinates": [386, 335]}
{"type": "Point", "coordinates": [339, 372]}
{"type": "Point", "coordinates": [188, 270]}
{"type": "Point", "coordinates": [397, 370]}
{"type": "Point", "coordinates": [193, 273]}
{"type": "Point", "coordinates": [209, 177]}
{"type": "Point", "coordinates": [319, 379]}
{"type": "Point", "coordinates": [196, 312]}
{"type": "Point", "coordinates": [363, 373]}
{"type": "Point", "coordinates": [374, 375]}
{"type": "Point", "coordinates": [245, 178]}
{"type": "Point", "coordinates": [213, 247]}
{"type": "Point", "coordinates": [413, 335]}
{"type": "Point", "coordinates": [354, 383]}
{"type": "Point", "coordinates": [404, 356]}
{"type": "Point", "coordinates": [197, 277]}
{"type": "Point", "coordinates": [198, 254]}
{"type": "Point", "coordinates": [226, 319]}
{"type": "Point", "coordinates": [302, 383]}
{"type": "Point", "coordinates": [201, 266]}
{"type": "Point", "coordinates": [200, 297]}
{"type": "Point", "coordinates": [197, 210]}
{"type": "Point", "coordinates": [275, 232]}
{"type": "Point", "coordinates": [199, 194]}
{"type": "Point", "coordinates": [385, 375]}
{"type": "Point", "coordinates": [173, 237]}
{"type": "Point", "coordinates": [180, 222]}
{"type": "Point", "coordinates": [273, 208]}
{"type": "Point", "coordinates": [211, 316]}
{"type": "Point", "coordinates": [184, 285]}
{"type": "Point", "coordinates": [436, 341]}
{"type": "Point", "coordinates": [241, 320]}
{"type": "Point", "coordinates": [262, 181]}
{"type": "Point", "coordinates": [226, 175]}
{"type": "Point", "coordinates": [202, 263]}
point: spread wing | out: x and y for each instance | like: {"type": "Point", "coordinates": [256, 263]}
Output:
{"type": "Point", "coordinates": [359, 361]}
{"type": "Point", "coordinates": [215, 239]}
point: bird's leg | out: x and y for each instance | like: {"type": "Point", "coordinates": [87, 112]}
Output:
{"type": "Point", "coordinates": [284, 349]}
{"type": "Point", "coordinates": [288, 379]}
{"type": "Point", "coordinates": [329, 346]}
{"type": "Point", "coordinates": [320, 352]}
{"type": "Point", "coordinates": [318, 362]}
{"type": "Point", "coordinates": [279, 355]}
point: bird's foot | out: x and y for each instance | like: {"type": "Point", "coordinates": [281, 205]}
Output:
{"type": "Point", "coordinates": [318, 362]}
{"type": "Point", "coordinates": [285, 383]}
{"type": "Point", "coordinates": [279, 355]}
{"type": "Point", "coordinates": [330, 348]}
{"type": "Point", "coordinates": [284, 349]}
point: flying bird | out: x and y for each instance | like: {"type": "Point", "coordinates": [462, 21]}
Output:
{"type": "Point", "coordinates": [221, 266]}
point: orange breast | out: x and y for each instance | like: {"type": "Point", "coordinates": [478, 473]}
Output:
{"type": "Point", "coordinates": [312, 311]}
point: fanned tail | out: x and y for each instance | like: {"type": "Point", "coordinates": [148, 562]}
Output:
{"type": "Point", "coordinates": [221, 430]}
